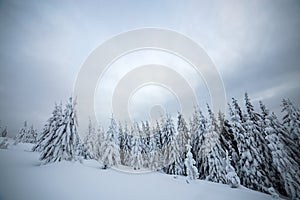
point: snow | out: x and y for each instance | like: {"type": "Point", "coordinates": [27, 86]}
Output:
{"type": "Point", "coordinates": [22, 177]}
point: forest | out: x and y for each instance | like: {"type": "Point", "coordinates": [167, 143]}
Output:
{"type": "Point", "coordinates": [249, 146]}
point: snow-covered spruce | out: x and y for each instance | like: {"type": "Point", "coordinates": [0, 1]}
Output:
{"type": "Point", "coordinates": [155, 154]}
{"type": "Point", "coordinates": [62, 141]}
{"type": "Point", "coordinates": [198, 125]}
{"type": "Point", "coordinates": [213, 166]}
{"type": "Point", "coordinates": [3, 132]}
{"type": "Point", "coordinates": [232, 178]}
{"type": "Point", "coordinates": [265, 171]}
{"type": "Point", "coordinates": [21, 136]}
{"type": "Point", "coordinates": [183, 137]}
{"type": "Point", "coordinates": [176, 149]}
{"type": "Point", "coordinates": [228, 138]}
{"type": "Point", "coordinates": [100, 140]}
{"type": "Point", "coordinates": [126, 144]}
{"type": "Point", "coordinates": [189, 163]}
{"type": "Point", "coordinates": [4, 144]}
{"type": "Point", "coordinates": [136, 159]}
{"type": "Point", "coordinates": [44, 139]}
{"type": "Point", "coordinates": [110, 147]}
{"type": "Point", "coordinates": [170, 148]}
{"type": "Point", "coordinates": [26, 135]}
{"type": "Point", "coordinates": [291, 123]}
{"type": "Point", "coordinates": [89, 146]}
{"type": "Point", "coordinates": [286, 166]}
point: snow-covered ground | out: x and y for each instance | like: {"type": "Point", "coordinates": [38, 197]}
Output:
{"type": "Point", "coordinates": [22, 177]}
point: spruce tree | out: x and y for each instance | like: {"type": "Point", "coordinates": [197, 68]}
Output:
{"type": "Point", "coordinates": [265, 170]}
{"type": "Point", "coordinates": [169, 144]}
{"type": "Point", "coordinates": [145, 141]}
{"type": "Point", "coordinates": [121, 139]}
{"type": "Point", "coordinates": [289, 172]}
{"type": "Point", "coordinates": [31, 136]}
{"type": "Point", "coordinates": [63, 141]}
{"type": "Point", "coordinates": [22, 134]}
{"type": "Point", "coordinates": [182, 138]}
{"type": "Point", "coordinates": [286, 180]}
{"type": "Point", "coordinates": [126, 146]}
{"type": "Point", "coordinates": [50, 128]}
{"type": "Point", "coordinates": [291, 121]}
{"type": "Point", "coordinates": [189, 163]}
{"type": "Point", "coordinates": [198, 129]}
{"type": "Point", "coordinates": [183, 133]}
{"type": "Point", "coordinates": [136, 148]}
{"type": "Point", "coordinates": [232, 178]}
{"type": "Point", "coordinates": [173, 159]}
{"type": "Point", "coordinates": [26, 135]}
{"type": "Point", "coordinates": [228, 139]}
{"type": "Point", "coordinates": [110, 148]}
{"type": "Point", "coordinates": [4, 144]}
{"type": "Point", "coordinates": [237, 123]}
{"type": "Point", "coordinates": [4, 132]}
{"type": "Point", "coordinates": [100, 141]}
{"type": "Point", "coordinates": [154, 151]}
{"type": "Point", "coordinates": [213, 167]}
{"type": "Point", "coordinates": [250, 172]}
{"type": "Point", "coordinates": [90, 141]}
{"type": "Point", "coordinates": [156, 148]}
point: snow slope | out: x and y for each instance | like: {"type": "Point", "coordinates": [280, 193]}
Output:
{"type": "Point", "coordinates": [22, 177]}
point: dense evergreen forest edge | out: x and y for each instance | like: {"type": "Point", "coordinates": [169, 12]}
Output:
{"type": "Point", "coordinates": [250, 147]}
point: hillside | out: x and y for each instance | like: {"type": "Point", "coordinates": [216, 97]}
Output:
{"type": "Point", "coordinates": [22, 177]}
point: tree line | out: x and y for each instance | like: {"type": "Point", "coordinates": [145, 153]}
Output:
{"type": "Point", "coordinates": [247, 147]}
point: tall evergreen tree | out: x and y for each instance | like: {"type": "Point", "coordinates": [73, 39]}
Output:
{"type": "Point", "coordinates": [265, 170]}
{"type": "Point", "coordinates": [22, 134]}
{"type": "Point", "coordinates": [286, 166]}
{"type": "Point", "coordinates": [110, 147]}
{"type": "Point", "coordinates": [121, 139]}
{"type": "Point", "coordinates": [251, 173]}
{"type": "Point", "coordinates": [232, 178]}
{"type": "Point", "coordinates": [4, 132]}
{"type": "Point", "coordinates": [291, 121]}
{"type": "Point", "coordinates": [175, 152]}
{"type": "Point", "coordinates": [168, 134]}
{"type": "Point", "coordinates": [213, 167]}
{"type": "Point", "coordinates": [182, 138]}
{"type": "Point", "coordinates": [228, 139]}
{"type": "Point", "coordinates": [31, 136]}
{"type": "Point", "coordinates": [154, 151]}
{"type": "Point", "coordinates": [100, 141]}
{"type": "Point", "coordinates": [125, 151]}
{"type": "Point", "coordinates": [90, 141]}
{"type": "Point", "coordinates": [63, 141]}
{"type": "Point", "coordinates": [189, 163]}
{"type": "Point", "coordinates": [183, 133]}
{"type": "Point", "coordinates": [198, 129]}
{"type": "Point", "coordinates": [26, 135]}
{"type": "Point", "coordinates": [50, 128]}
{"type": "Point", "coordinates": [145, 141]}
{"type": "Point", "coordinates": [136, 148]}
{"type": "Point", "coordinates": [4, 144]}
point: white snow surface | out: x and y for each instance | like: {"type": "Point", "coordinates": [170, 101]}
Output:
{"type": "Point", "coordinates": [23, 178]}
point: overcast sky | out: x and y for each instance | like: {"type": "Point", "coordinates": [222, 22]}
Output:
{"type": "Point", "coordinates": [255, 45]}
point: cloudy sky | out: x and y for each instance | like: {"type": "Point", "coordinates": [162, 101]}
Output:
{"type": "Point", "coordinates": [255, 45]}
